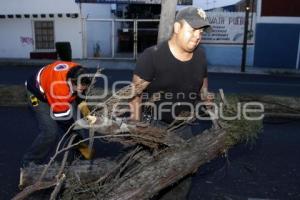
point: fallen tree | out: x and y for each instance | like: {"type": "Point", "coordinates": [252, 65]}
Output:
{"type": "Point", "coordinates": [158, 160]}
{"type": "Point", "coordinates": [147, 178]}
{"type": "Point", "coordinates": [276, 106]}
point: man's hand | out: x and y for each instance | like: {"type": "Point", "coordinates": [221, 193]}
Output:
{"type": "Point", "coordinates": [139, 85]}
{"type": "Point", "coordinates": [207, 98]}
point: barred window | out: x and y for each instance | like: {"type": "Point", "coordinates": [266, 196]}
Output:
{"type": "Point", "coordinates": [44, 34]}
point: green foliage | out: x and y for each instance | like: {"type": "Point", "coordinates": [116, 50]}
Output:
{"type": "Point", "coordinates": [240, 129]}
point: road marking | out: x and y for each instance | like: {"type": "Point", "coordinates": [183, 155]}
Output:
{"type": "Point", "coordinates": [268, 84]}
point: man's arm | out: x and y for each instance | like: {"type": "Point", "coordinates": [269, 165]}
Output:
{"type": "Point", "coordinates": [139, 86]}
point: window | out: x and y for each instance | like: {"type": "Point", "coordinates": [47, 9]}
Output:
{"type": "Point", "coordinates": [44, 34]}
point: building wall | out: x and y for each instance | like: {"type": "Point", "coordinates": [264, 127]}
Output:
{"type": "Point", "coordinates": [277, 45]}
{"type": "Point", "coordinates": [228, 55]}
{"type": "Point", "coordinates": [70, 30]}
{"type": "Point", "coordinates": [83, 35]}
{"type": "Point", "coordinates": [11, 33]}
{"type": "Point", "coordinates": [100, 32]}
{"type": "Point", "coordinates": [287, 8]}
{"type": "Point", "coordinates": [224, 44]}
{"type": "Point", "coordinates": [38, 6]}
{"type": "Point", "coordinates": [17, 34]}
{"type": "Point", "coordinates": [277, 34]}
{"type": "Point", "coordinates": [97, 32]}
{"type": "Point", "coordinates": [91, 10]}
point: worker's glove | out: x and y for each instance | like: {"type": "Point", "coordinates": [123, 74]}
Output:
{"type": "Point", "coordinates": [84, 109]}
{"type": "Point", "coordinates": [91, 119]}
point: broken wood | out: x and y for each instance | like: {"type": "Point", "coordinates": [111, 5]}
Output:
{"type": "Point", "coordinates": [154, 172]}
{"type": "Point", "coordinates": [162, 159]}
{"type": "Point", "coordinates": [33, 188]}
{"type": "Point", "coordinates": [276, 106]}
{"type": "Point", "coordinates": [160, 171]}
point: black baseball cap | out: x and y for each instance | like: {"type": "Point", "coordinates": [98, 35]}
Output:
{"type": "Point", "coordinates": [195, 17]}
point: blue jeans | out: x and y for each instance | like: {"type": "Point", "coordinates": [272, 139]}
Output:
{"type": "Point", "coordinates": [49, 134]}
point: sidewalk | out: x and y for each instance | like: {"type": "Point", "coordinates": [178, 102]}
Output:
{"type": "Point", "coordinates": [254, 70]}
{"type": "Point", "coordinates": [126, 64]}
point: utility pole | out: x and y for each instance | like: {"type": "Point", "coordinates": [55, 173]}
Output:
{"type": "Point", "coordinates": [167, 18]}
{"type": "Point", "coordinates": [244, 49]}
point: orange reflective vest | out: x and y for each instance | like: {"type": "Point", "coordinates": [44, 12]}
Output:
{"type": "Point", "coordinates": [52, 82]}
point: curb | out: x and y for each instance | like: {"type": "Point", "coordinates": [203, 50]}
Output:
{"type": "Point", "coordinates": [123, 64]}
{"type": "Point", "coordinates": [13, 95]}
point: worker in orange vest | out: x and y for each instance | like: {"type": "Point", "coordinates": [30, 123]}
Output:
{"type": "Point", "coordinates": [51, 92]}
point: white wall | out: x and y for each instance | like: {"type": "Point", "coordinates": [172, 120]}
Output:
{"type": "Point", "coordinates": [98, 31]}
{"type": "Point", "coordinates": [69, 30]}
{"type": "Point", "coordinates": [92, 10]}
{"type": "Point", "coordinates": [38, 6]}
{"type": "Point", "coordinates": [17, 36]}
{"type": "Point", "coordinates": [10, 38]}
{"type": "Point", "coordinates": [210, 4]}
{"type": "Point", "coordinates": [13, 30]}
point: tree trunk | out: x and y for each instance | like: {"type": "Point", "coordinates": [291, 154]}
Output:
{"type": "Point", "coordinates": [170, 168]}
{"type": "Point", "coordinates": [87, 171]}
{"type": "Point", "coordinates": [152, 171]}
{"type": "Point", "coordinates": [158, 161]}
{"type": "Point", "coordinates": [276, 106]}
{"type": "Point", "coordinates": [167, 17]}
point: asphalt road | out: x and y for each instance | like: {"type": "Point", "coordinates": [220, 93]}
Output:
{"type": "Point", "coordinates": [270, 169]}
{"type": "Point", "coordinates": [279, 84]}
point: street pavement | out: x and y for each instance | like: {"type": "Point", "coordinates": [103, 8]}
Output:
{"type": "Point", "coordinates": [282, 82]}
{"type": "Point", "coordinates": [129, 64]}
{"type": "Point", "coordinates": [248, 176]}
{"type": "Point", "coordinates": [268, 169]}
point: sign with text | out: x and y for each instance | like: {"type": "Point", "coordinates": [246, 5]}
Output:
{"type": "Point", "coordinates": [228, 28]}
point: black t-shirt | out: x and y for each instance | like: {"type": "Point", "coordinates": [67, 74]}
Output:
{"type": "Point", "coordinates": [180, 81]}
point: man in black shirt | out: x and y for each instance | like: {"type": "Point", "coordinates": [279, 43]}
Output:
{"type": "Point", "coordinates": [176, 67]}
